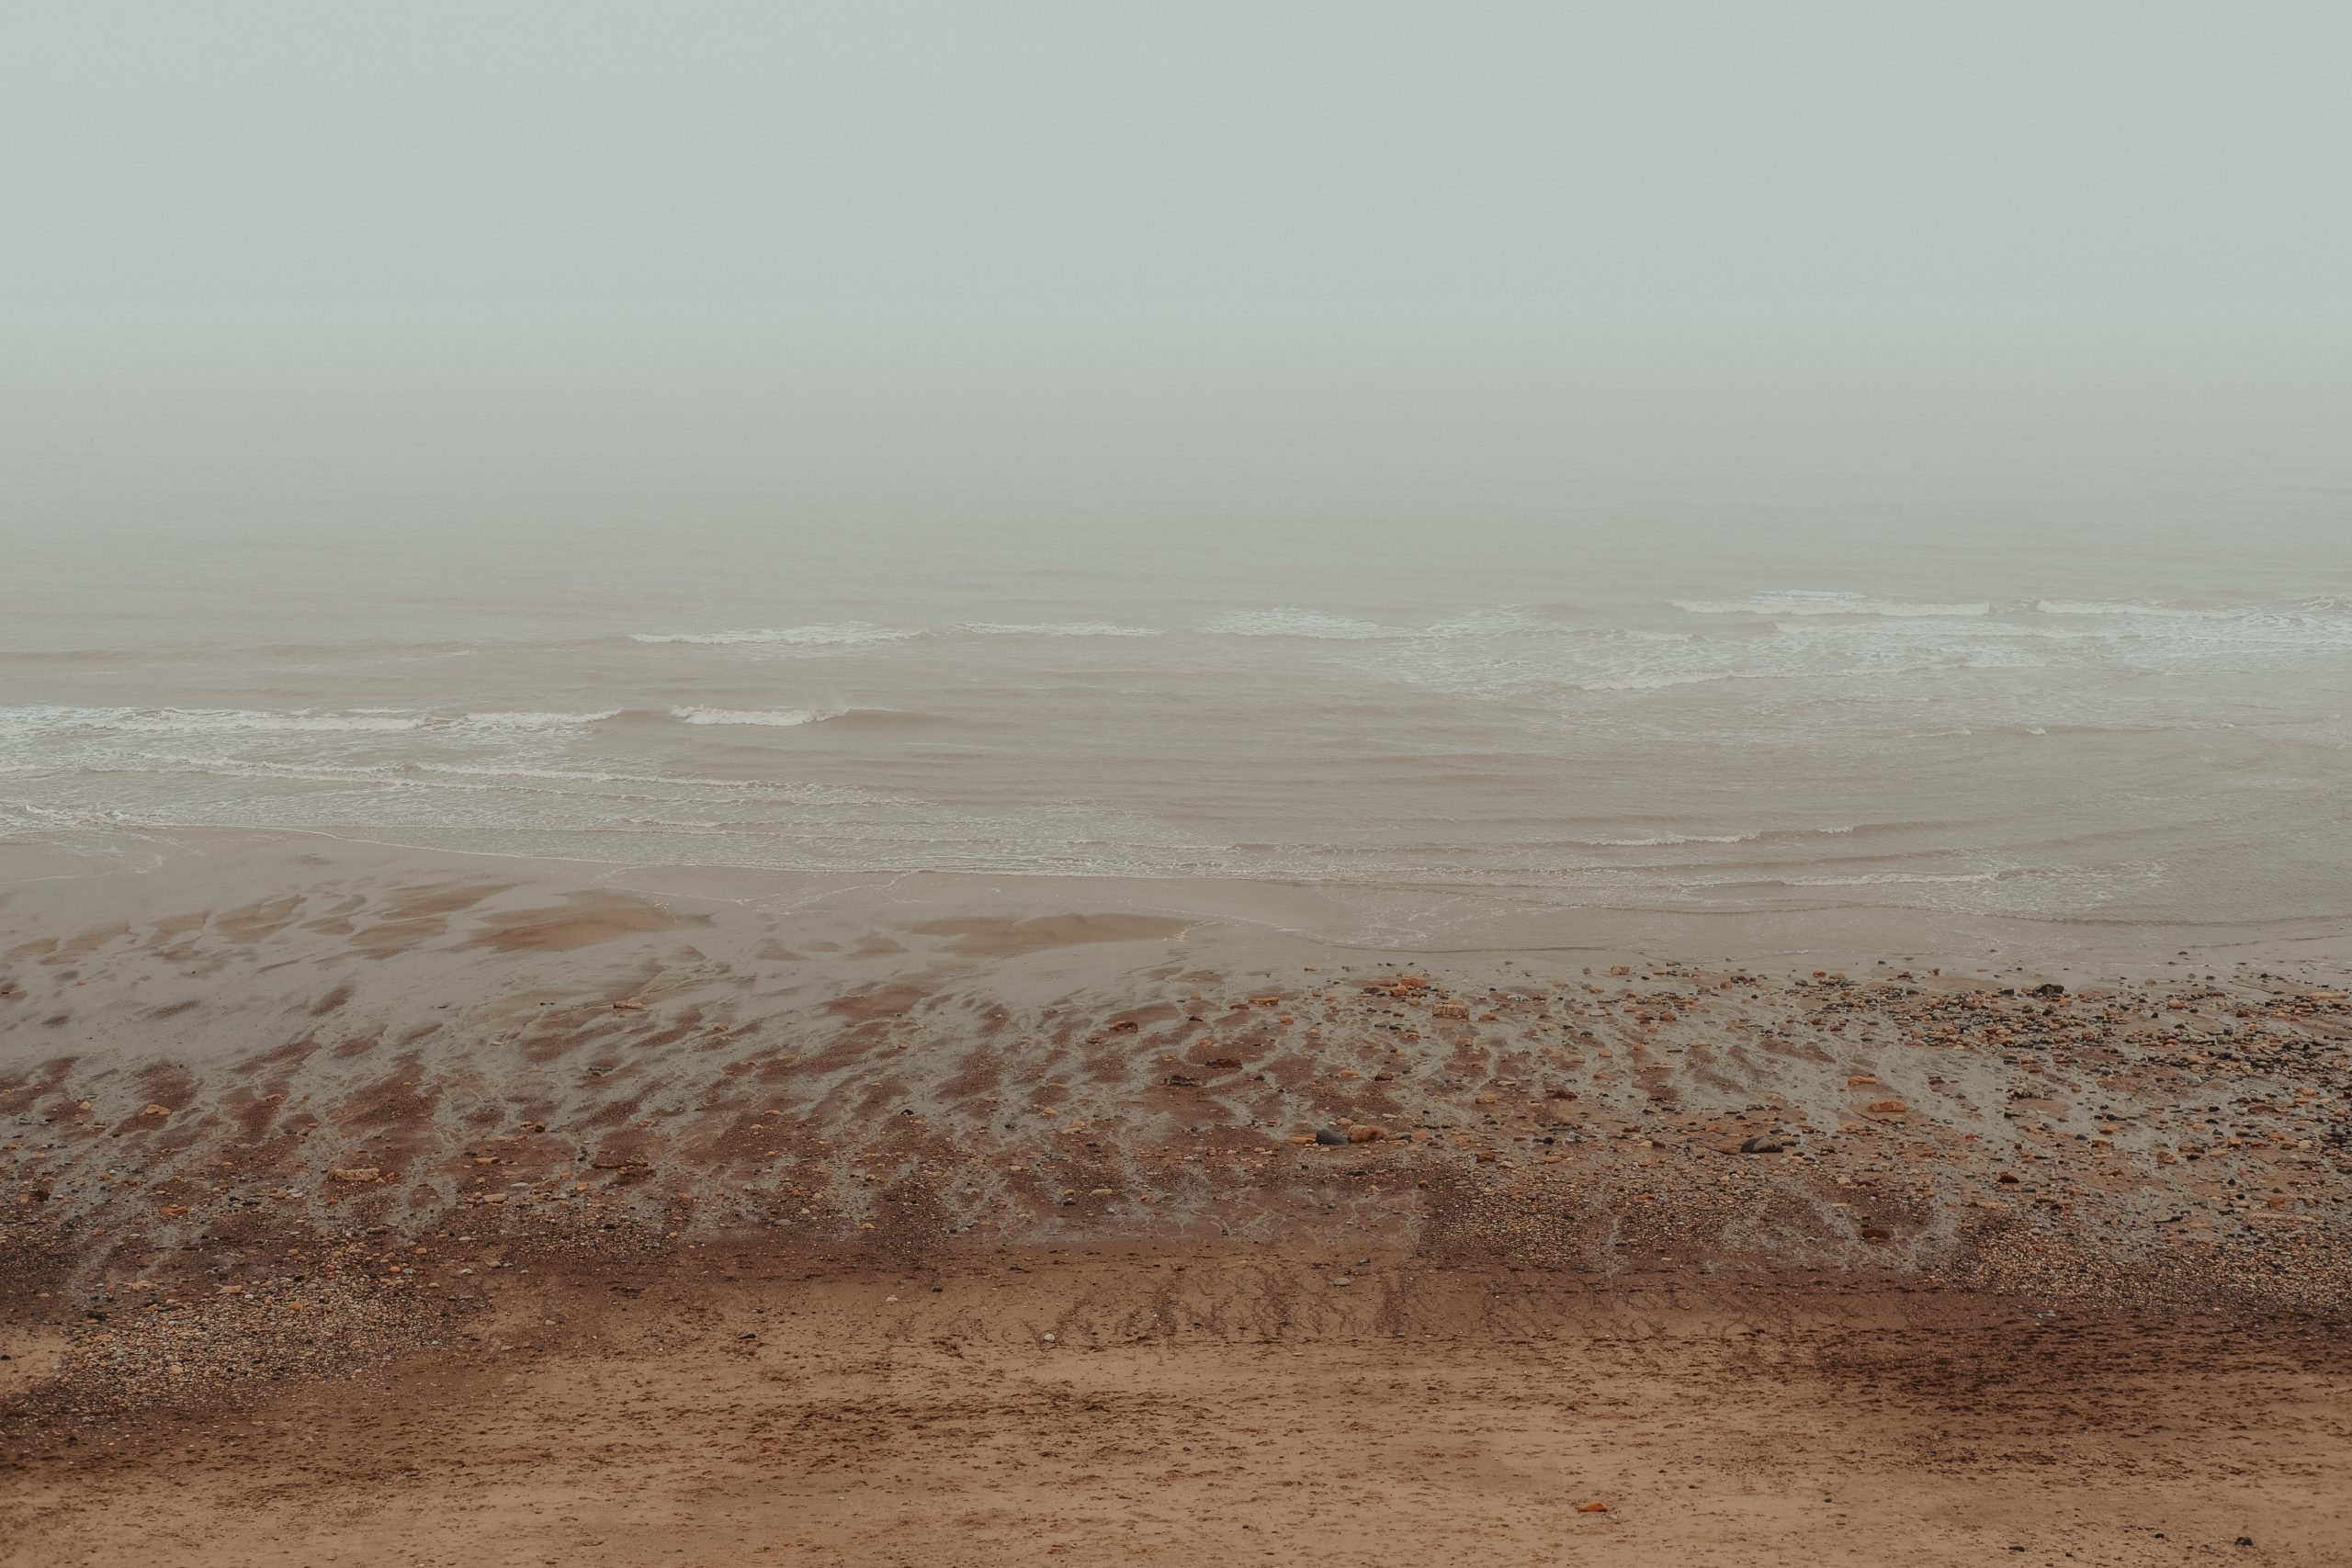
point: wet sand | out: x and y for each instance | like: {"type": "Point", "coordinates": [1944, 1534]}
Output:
{"type": "Point", "coordinates": [561, 1209]}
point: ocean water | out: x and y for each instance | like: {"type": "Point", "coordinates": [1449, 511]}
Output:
{"type": "Point", "coordinates": [2127, 724]}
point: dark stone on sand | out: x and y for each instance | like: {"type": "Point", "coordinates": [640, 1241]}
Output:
{"type": "Point", "coordinates": [1761, 1144]}
{"type": "Point", "coordinates": [2052, 989]}
{"type": "Point", "coordinates": [1330, 1135]}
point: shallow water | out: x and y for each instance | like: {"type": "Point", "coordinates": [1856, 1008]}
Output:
{"type": "Point", "coordinates": [2036, 703]}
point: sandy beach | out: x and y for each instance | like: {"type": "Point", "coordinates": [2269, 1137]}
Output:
{"type": "Point", "coordinates": [612, 1215]}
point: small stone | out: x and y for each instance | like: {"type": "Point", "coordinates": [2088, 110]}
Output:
{"type": "Point", "coordinates": [1887, 1108]}
{"type": "Point", "coordinates": [1330, 1135]}
{"type": "Point", "coordinates": [1761, 1144]}
{"type": "Point", "coordinates": [1595, 1506]}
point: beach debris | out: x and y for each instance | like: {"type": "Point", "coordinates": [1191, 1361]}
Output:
{"type": "Point", "coordinates": [1761, 1144]}
{"type": "Point", "coordinates": [1330, 1135]}
{"type": "Point", "coordinates": [357, 1173]}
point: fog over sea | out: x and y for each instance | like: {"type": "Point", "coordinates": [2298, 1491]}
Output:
{"type": "Point", "coordinates": [2049, 702]}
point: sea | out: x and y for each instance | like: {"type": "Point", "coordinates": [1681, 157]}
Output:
{"type": "Point", "coordinates": [2059, 705]}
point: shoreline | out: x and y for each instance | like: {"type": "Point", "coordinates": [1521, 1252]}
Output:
{"type": "Point", "coordinates": [1421, 918]}
{"type": "Point", "coordinates": [284, 1119]}
{"type": "Point", "coordinates": [288, 1014]}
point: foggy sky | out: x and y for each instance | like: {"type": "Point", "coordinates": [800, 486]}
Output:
{"type": "Point", "coordinates": [1681, 223]}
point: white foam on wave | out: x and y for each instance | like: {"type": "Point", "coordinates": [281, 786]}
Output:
{"type": "Point", "coordinates": [2120, 607]}
{"type": "Point", "coordinates": [29, 721]}
{"type": "Point", "coordinates": [772, 718]}
{"type": "Point", "coordinates": [1617, 662]}
{"type": "Point", "coordinates": [1807, 602]}
{"type": "Point", "coordinates": [1500, 620]}
{"type": "Point", "coordinates": [1056, 628]}
{"type": "Point", "coordinates": [1902, 878]}
{"type": "Point", "coordinates": [488, 777]}
{"type": "Point", "coordinates": [1667, 840]}
{"type": "Point", "coordinates": [532, 720]}
{"type": "Point", "coordinates": [818, 794]}
{"type": "Point", "coordinates": [829, 634]}
{"type": "Point", "coordinates": [1292, 621]}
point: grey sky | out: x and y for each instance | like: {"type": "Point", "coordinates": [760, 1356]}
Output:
{"type": "Point", "coordinates": [208, 204]}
